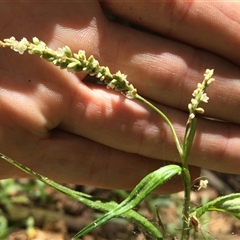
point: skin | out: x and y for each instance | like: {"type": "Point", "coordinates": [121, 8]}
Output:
{"type": "Point", "coordinates": [81, 133]}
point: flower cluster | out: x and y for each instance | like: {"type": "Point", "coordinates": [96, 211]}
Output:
{"type": "Point", "coordinates": [73, 62]}
{"type": "Point", "coordinates": [199, 95]}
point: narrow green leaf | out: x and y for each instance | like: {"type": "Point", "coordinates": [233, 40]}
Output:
{"type": "Point", "coordinates": [147, 185]}
{"type": "Point", "coordinates": [229, 204]}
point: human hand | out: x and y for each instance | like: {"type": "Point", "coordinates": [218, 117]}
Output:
{"type": "Point", "coordinates": [86, 134]}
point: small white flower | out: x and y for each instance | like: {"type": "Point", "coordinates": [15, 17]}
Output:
{"type": "Point", "coordinates": [195, 92]}
{"type": "Point", "coordinates": [110, 85]}
{"type": "Point", "coordinates": [104, 72]}
{"type": "Point", "coordinates": [93, 62]}
{"type": "Point", "coordinates": [194, 101]}
{"type": "Point", "coordinates": [192, 116]}
{"type": "Point", "coordinates": [99, 75]}
{"type": "Point", "coordinates": [208, 74]}
{"type": "Point", "coordinates": [210, 81]}
{"type": "Point", "coordinates": [67, 51]}
{"type": "Point", "coordinates": [71, 65]}
{"type": "Point", "coordinates": [36, 41]}
{"type": "Point", "coordinates": [81, 53]}
{"type": "Point", "coordinates": [41, 46]}
{"type": "Point", "coordinates": [203, 184]}
{"type": "Point", "coordinates": [60, 52]}
{"type": "Point", "coordinates": [190, 107]}
{"type": "Point", "coordinates": [199, 110]}
{"type": "Point", "coordinates": [204, 98]}
{"type": "Point", "coordinates": [131, 93]}
{"type": "Point", "coordinates": [121, 76]}
{"type": "Point", "coordinates": [21, 46]}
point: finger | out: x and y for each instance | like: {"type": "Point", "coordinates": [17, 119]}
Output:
{"type": "Point", "coordinates": [68, 158]}
{"type": "Point", "coordinates": [212, 26]}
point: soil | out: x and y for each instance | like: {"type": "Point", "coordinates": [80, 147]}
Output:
{"type": "Point", "coordinates": [58, 217]}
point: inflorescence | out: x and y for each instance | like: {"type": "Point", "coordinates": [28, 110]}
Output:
{"type": "Point", "coordinates": [73, 62]}
{"type": "Point", "coordinates": [199, 95]}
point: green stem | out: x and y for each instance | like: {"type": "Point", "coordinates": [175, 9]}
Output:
{"type": "Point", "coordinates": [187, 144]}
{"type": "Point", "coordinates": [175, 137]}
{"type": "Point", "coordinates": [186, 205]}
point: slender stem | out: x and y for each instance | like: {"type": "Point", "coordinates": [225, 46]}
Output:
{"type": "Point", "coordinates": [186, 177]}
{"type": "Point", "coordinates": [175, 137]}
{"type": "Point", "coordinates": [186, 205]}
